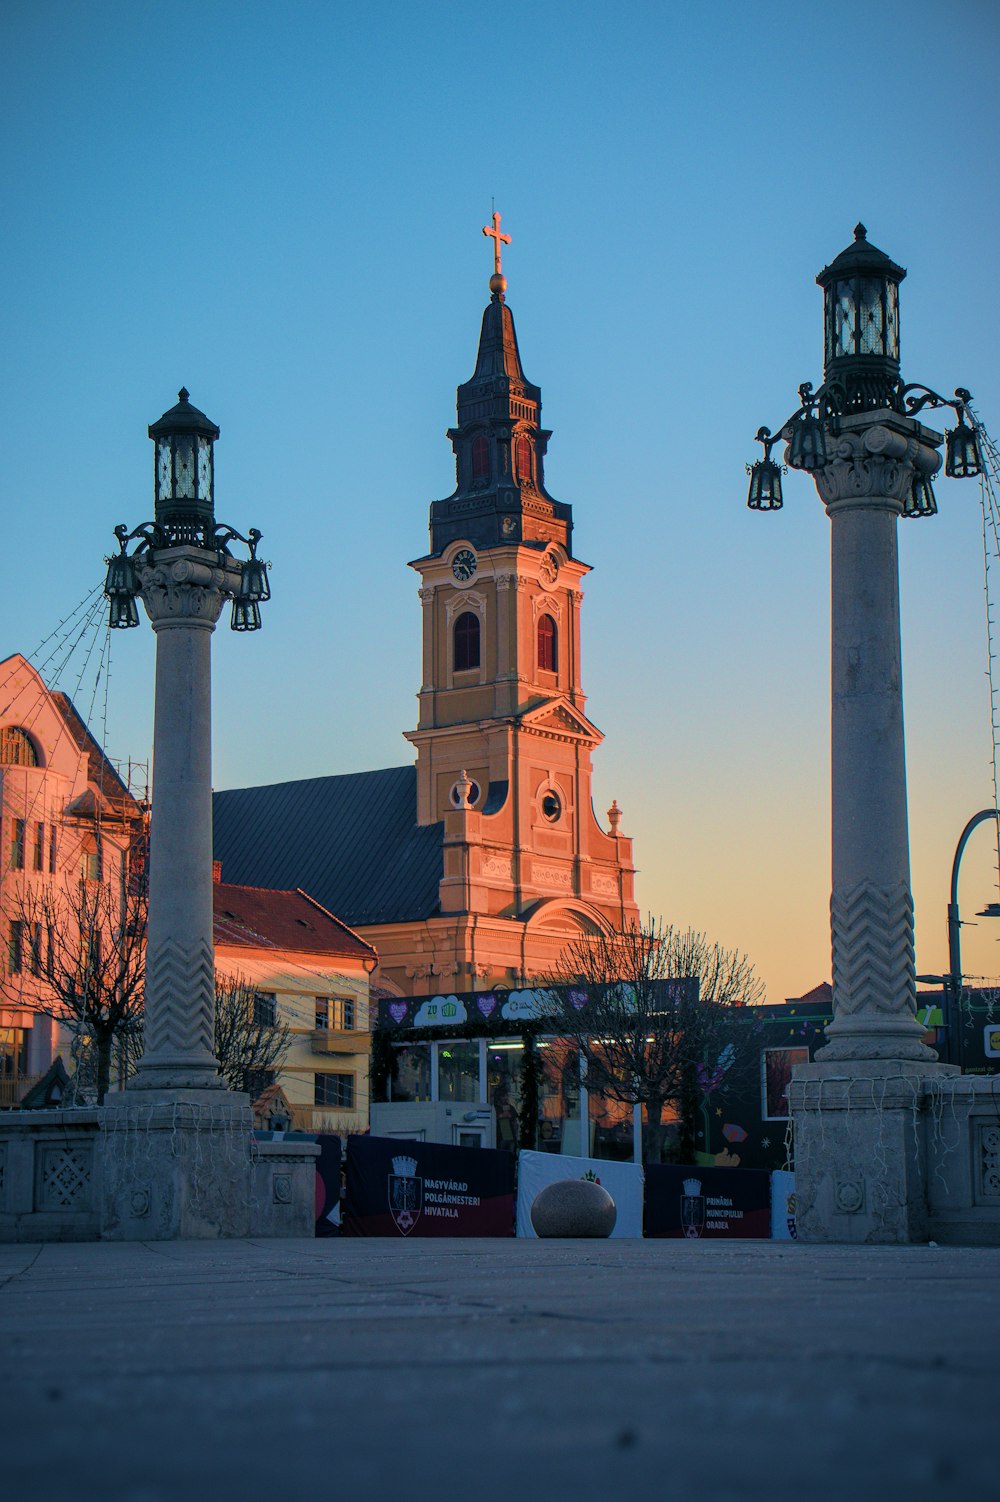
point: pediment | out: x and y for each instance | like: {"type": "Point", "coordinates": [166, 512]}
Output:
{"type": "Point", "coordinates": [559, 717]}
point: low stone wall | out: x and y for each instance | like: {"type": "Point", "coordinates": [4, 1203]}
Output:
{"type": "Point", "coordinates": [48, 1173]}
{"type": "Point", "coordinates": [963, 1161]}
{"type": "Point", "coordinates": [897, 1158]}
{"type": "Point", "coordinates": [149, 1170]}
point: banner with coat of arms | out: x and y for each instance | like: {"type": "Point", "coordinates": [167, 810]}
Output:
{"type": "Point", "coordinates": [397, 1187]}
{"type": "Point", "coordinates": [707, 1203]}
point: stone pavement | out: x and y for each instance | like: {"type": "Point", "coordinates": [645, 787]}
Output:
{"type": "Point", "coordinates": [498, 1369]}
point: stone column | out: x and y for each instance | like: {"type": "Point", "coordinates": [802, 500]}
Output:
{"type": "Point", "coordinates": [864, 487]}
{"type": "Point", "coordinates": [183, 590]}
{"type": "Point", "coordinates": [857, 1109]}
{"type": "Point", "coordinates": [177, 1156]}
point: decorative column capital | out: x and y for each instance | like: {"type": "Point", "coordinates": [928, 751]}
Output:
{"type": "Point", "coordinates": [186, 586]}
{"type": "Point", "coordinates": [874, 466]}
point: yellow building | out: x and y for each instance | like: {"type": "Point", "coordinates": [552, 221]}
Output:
{"type": "Point", "coordinates": [312, 973]}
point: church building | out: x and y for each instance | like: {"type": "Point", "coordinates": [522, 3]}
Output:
{"type": "Point", "coordinates": [475, 867]}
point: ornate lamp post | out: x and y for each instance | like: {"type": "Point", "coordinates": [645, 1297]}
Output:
{"type": "Point", "coordinates": [872, 462]}
{"type": "Point", "coordinates": [181, 566]}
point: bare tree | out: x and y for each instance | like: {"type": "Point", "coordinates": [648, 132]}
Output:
{"type": "Point", "coordinates": [661, 1017]}
{"type": "Point", "coordinates": [250, 1040]}
{"type": "Point", "coordinates": [77, 955]}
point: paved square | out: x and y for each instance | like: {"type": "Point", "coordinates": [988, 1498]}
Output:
{"type": "Point", "coordinates": [480, 1369]}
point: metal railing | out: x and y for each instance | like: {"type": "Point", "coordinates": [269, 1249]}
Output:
{"type": "Point", "coordinates": [14, 1087]}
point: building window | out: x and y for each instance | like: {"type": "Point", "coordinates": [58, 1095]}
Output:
{"type": "Point", "coordinates": [15, 946]}
{"type": "Point", "coordinates": [17, 828]}
{"type": "Point", "coordinates": [16, 749]}
{"type": "Point", "coordinates": [334, 1012]}
{"type": "Point", "coordinates": [480, 458]}
{"type": "Point", "coordinates": [39, 847]}
{"type": "Point", "coordinates": [548, 645]}
{"type": "Point", "coordinates": [522, 459]}
{"type": "Point", "coordinates": [52, 849]}
{"type": "Point", "coordinates": [90, 859]}
{"type": "Point", "coordinates": [36, 949]}
{"type": "Point", "coordinates": [50, 956]}
{"type": "Point", "coordinates": [265, 1009]}
{"type": "Point", "coordinates": [466, 642]}
{"type": "Point", "coordinates": [334, 1090]}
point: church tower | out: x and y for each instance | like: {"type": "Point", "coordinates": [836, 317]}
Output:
{"type": "Point", "coordinates": [503, 741]}
{"type": "Point", "coordinates": [477, 867]}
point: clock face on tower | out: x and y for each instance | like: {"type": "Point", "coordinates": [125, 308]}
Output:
{"type": "Point", "coordinates": [464, 564]}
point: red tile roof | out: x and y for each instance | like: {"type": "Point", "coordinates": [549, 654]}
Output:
{"type": "Point", "coordinates": [263, 918]}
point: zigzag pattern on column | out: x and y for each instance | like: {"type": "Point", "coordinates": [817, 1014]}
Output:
{"type": "Point", "coordinates": [873, 961]}
{"type": "Point", "coordinates": [180, 999]}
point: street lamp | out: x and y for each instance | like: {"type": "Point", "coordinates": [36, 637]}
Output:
{"type": "Point", "coordinates": [872, 462]}
{"type": "Point", "coordinates": [953, 991]}
{"type": "Point", "coordinates": [182, 567]}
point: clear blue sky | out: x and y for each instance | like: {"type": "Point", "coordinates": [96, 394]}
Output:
{"type": "Point", "coordinates": [280, 207]}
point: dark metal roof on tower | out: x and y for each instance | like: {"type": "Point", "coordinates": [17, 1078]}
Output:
{"type": "Point", "coordinates": [499, 443]}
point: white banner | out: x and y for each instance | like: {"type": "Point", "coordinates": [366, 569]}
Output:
{"type": "Point", "coordinates": [782, 1205]}
{"type": "Point", "coordinates": [623, 1181]}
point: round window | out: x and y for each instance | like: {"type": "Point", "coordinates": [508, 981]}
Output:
{"type": "Point", "coordinates": [551, 806]}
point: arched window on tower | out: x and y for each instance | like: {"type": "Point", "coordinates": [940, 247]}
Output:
{"type": "Point", "coordinates": [16, 748]}
{"type": "Point", "coordinates": [548, 645]}
{"type": "Point", "coordinates": [480, 458]}
{"type": "Point", "coordinates": [522, 458]}
{"type": "Point", "coordinates": [466, 642]}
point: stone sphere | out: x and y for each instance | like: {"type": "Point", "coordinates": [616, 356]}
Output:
{"type": "Point", "coordinates": [573, 1207]}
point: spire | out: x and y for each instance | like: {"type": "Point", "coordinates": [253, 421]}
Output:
{"type": "Point", "coordinates": [499, 444]}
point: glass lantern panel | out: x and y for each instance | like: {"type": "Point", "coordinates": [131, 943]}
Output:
{"type": "Point", "coordinates": [892, 321]}
{"type": "Point", "coordinates": [871, 316]}
{"type": "Point", "coordinates": [828, 322]}
{"type": "Point", "coordinates": [845, 319]}
{"type": "Point", "coordinates": [163, 470]}
{"type": "Point", "coordinates": [184, 468]}
{"type": "Point", "coordinates": [204, 469]}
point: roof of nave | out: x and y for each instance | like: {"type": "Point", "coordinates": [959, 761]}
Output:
{"type": "Point", "coordinates": [352, 842]}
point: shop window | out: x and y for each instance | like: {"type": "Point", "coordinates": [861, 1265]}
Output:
{"type": "Point", "coordinates": [548, 645]}
{"type": "Point", "coordinates": [334, 1090]}
{"type": "Point", "coordinates": [412, 1076]}
{"type": "Point", "coordinates": [458, 1071]}
{"type": "Point", "coordinates": [466, 642]}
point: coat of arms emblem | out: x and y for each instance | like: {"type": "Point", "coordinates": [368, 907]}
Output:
{"type": "Point", "coordinates": [406, 1194]}
{"type": "Point", "coordinates": [692, 1208]}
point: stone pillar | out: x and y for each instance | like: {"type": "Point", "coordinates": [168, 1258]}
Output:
{"type": "Point", "coordinates": [864, 487]}
{"type": "Point", "coordinates": [859, 1169]}
{"type": "Point", "coordinates": [177, 1156]}
{"type": "Point", "coordinates": [183, 590]}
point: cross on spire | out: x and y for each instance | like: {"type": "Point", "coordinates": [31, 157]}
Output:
{"type": "Point", "coordinates": [497, 238]}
